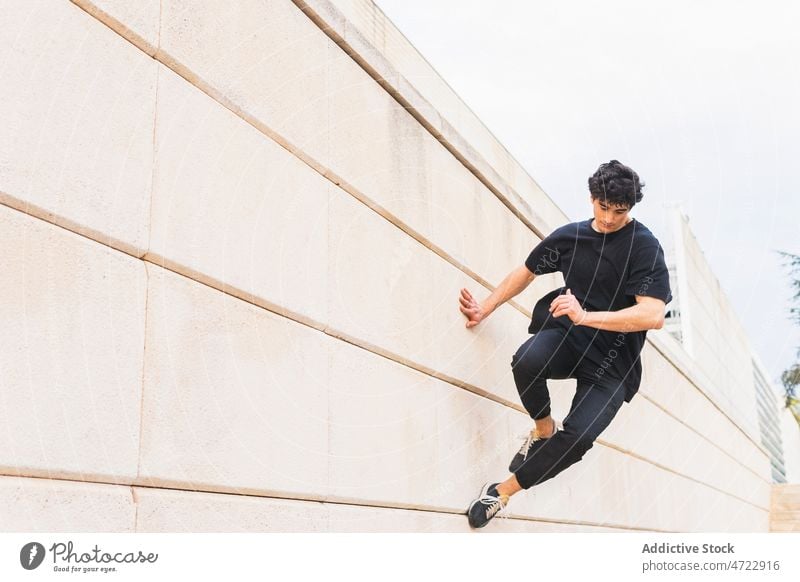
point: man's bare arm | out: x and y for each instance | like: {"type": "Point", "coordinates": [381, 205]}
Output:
{"type": "Point", "coordinates": [648, 313]}
{"type": "Point", "coordinates": [514, 283]}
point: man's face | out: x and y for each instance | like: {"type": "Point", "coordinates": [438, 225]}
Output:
{"type": "Point", "coordinates": [607, 217]}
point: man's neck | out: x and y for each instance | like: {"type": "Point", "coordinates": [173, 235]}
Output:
{"type": "Point", "coordinates": [594, 226]}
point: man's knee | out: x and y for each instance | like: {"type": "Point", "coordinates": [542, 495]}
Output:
{"type": "Point", "coordinates": [529, 362]}
{"type": "Point", "coordinates": [580, 441]}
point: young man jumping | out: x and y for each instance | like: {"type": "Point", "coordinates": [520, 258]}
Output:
{"type": "Point", "coordinates": [592, 329]}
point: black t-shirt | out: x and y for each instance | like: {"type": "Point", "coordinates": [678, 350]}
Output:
{"type": "Point", "coordinates": [605, 272]}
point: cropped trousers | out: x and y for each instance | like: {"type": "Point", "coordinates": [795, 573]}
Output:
{"type": "Point", "coordinates": [553, 354]}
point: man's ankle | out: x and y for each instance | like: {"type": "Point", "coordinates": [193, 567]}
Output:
{"type": "Point", "coordinates": [544, 428]}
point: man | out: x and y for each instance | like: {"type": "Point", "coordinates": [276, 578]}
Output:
{"type": "Point", "coordinates": [592, 329]}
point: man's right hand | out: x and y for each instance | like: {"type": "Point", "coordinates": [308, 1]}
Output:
{"type": "Point", "coordinates": [471, 309]}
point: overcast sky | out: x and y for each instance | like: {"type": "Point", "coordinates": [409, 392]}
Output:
{"type": "Point", "coordinates": [700, 98]}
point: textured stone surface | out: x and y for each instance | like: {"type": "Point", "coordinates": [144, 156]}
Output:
{"type": "Point", "coordinates": [785, 513]}
{"type": "Point", "coordinates": [232, 206]}
{"type": "Point", "coordinates": [383, 429]}
{"type": "Point", "coordinates": [263, 59]}
{"type": "Point", "coordinates": [165, 510]}
{"type": "Point", "coordinates": [353, 518]}
{"type": "Point", "coordinates": [235, 397]}
{"type": "Point", "coordinates": [666, 386]}
{"type": "Point", "coordinates": [398, 437]}
{"type": "Point", "coordinates": [136, 21]}
{"type": "Point", "coordinates": [320, 101]}
{"type": "Point", "coordinates": [646, 430]}
{"type": "Point", "coordinates": [78, 106]}
{"type": "Point", "coordinates": [381, 150]}
{"type": "Point", "coordinates": [55, 506]}
{"type": "Point", "coordinates": [391, 292]}
{"type": "Point", "coordinates": [367, 31]}
{"type": "Point", "coordinates": [71, 353]}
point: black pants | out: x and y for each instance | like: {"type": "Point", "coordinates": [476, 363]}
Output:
{"type": "Point", "coordinates": [554, 353]}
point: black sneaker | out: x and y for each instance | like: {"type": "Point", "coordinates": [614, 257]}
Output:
{"type": "Point", "coordinates": [522, 454]}
{"type": "Point", "coordinates": [486, 506]}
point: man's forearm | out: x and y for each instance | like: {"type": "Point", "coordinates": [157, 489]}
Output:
{"type": "Point", "coordinates": [634, 318]}
{"type": "Point", "coordinates": [514, 283]}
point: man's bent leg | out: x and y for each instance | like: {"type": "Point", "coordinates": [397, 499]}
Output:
{"type": "Point", "coordinates": [593, 409]}
{"type": "Point", "coordinates": [544, 355]}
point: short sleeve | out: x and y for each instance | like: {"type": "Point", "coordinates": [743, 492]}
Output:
{"type": "Point", "coordinates": [545, 257]}
{"type": "Point", "coordinates": [648, 274]}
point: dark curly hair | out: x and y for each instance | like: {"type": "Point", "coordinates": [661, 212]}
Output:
{"type": "Point", "coordinates": [616, 184]}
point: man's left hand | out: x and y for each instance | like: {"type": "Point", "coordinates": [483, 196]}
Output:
{"type": "Point", "coordinates": [568, 305]}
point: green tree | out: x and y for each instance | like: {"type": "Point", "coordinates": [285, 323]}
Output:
{"type": "Point", "coordinates": [791, 376]}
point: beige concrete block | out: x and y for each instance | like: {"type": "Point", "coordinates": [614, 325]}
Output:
{"type": "Point", "coordinates": [666, 386]}
{"type": "Point", "coordinates": [474, 226]}
{"type": "Point", "coordinates": [786, 496]}
{"type": "Point", "coordinates": [383, 429]}
{"type": "Point", "coordinates": [785, 508]}
{"type": "Point", "coordinates": [395, 58]}
{"type": "Point", "coordinates": [662, 380]}
{"type": "Point", "coordinates": [234, 209]}
{"type": "Point", "coordinates": [78, 105]}
{"type": "Point", "coordinates": [54, 506]}
{"type": "Point", "coordinates": [788, 526]}
{"type": "Point", "coordinates": [704, 302]}
{"type": "Point", "coordinates": [71, 353]}
{"type": "Point", "coordinates": [473, 446]}
{"type": "Point", "coordinates": [722, 352]}
{"type": "Point", "coordinates": [390, 292]}
{"type": "Point", "coordinates": [265, 60]}
{"type": "Point", "coordinates": [136, 21]}
{"type": "Point", "coordinates": [701, 414]}
{"type": "Point", "coordinates": [711, 512]}
{"type": "Point", "coordinates": [642, 428]}
{"type": "Point", "coordinates": [345, 518]}
{"type": "Point", "coordinates": [479, 356]}
{"type": "Point", "coordinates": [704, 462]}
{"type": "Point", "coordinates": [235, 397]}
{"type": "Point", "coordinates": [165, 510]}
{"type": "Point", "coordinates": [687, 506]}
{"type": "Point", "coordinates": [400, 437]}
{"type": "Point", "coordinates": [377, 148]}
{"type": "Point", "coordinates": [649, 432]}
{"type": "Point", "coordinates": [387, 155]}
{"type": "Point", "coordinates": [375, 145]}
{"type": "Point", "coordinates": [672, 502]}
{"type": "Point", "coordinates": [354, 518]}
{"type": "Point", "coordinates": [381, 290]}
